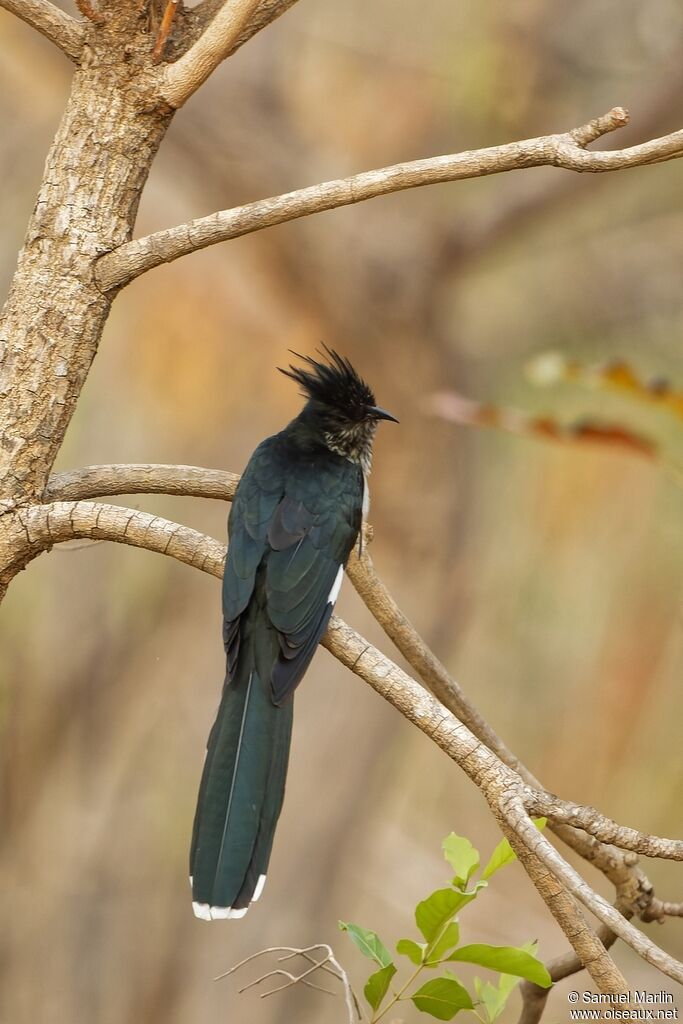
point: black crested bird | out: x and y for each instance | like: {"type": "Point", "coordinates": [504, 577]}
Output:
{"type": "Point", "coordinates": [294, 521]}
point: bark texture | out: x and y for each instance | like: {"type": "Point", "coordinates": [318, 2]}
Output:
{"type": "Point", "coordinates": [54, 315]}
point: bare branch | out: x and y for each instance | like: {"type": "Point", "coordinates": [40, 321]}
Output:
{"type": "Point", "coordinates": [334, 968]}
{"type": "Point", "coordinates": [185, 76]}
{"type": "Point", "coordinates": [436, 677]}
{"type": "Point", "coordinates": [633, 888]}
{"type": "Point", "coordinates": [62, 521]}
{"type": "Point", "coordinates": [534, 997]}
{"type": "Point", "coordinates": [62, 30]}
{"type": "Point", "coordinates": [117, 268]}
{"type": "Point", "coordinates": [141, 478]}
{"type": "Point", "coordinates": [602, 828]}
{"type": "Point", "coordinates": [514, 817]}
{"type": "Point", "coordinates": [658, 910]}
{"type": "Point", "coordinates": [588, 948]}
{"type": "Point", "coordinates": [152, 478]}
{"type": "Point", "coordinates": [267, 12]}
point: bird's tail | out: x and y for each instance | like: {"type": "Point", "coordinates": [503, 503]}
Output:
{"type": "Point", "coordinates": [240, 797]}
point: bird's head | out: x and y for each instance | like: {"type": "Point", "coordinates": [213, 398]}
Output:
{"type": "Point", "coordinates": [341, 407]}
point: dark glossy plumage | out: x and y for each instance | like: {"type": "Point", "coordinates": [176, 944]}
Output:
{"type": "Point", "coordinates": [294, 520]}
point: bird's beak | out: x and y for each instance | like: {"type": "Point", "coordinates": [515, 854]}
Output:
{"type": "Point", "coordinates": [381, 414]}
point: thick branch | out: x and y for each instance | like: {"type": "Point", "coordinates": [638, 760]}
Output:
{"type": "Point", "coordinates": [191, 70]}
{"type": "Point", "coordinates": [50, 21]}
{"type": "Point", "coordinates": [515, 816]}
{"type": "Point", "coordinates": [267, 12]}
{"type": "Point", "coordinates": [122, 265]}
{"type": "Point", "coordinates": [141, 478]}
{"type": "Point", "coordinates": [633, 888]}
{"type": "Point", "coordinates": [534, 998]}
{"type": "Point", "coordinates": [61, 521]}
{"type": "Point", "coordinates": [153, 478]}
{"type": "Point", "coordinates": [588, 949]}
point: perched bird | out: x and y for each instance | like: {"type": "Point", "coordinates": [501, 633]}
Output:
{"type": "Point", "coordinates": [295, 518]}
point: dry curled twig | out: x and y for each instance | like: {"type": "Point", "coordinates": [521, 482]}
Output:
{"type": "Point", "coordinates": [327, 962]}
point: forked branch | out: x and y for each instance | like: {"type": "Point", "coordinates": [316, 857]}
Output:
{"type": "Point", "coordinates": [185, 76]}
{"type": "Point", "coordinates": [556, 881]}
{"type": "Point", "coordinates": [534, 998]}
{"type": "Point", "coordinates": [319, 958]}
{"type": "Point", "coordinates": [196, 481]}
{"type": "Point", "coordinates": [568, 150]}
{"type": "Point", "coordinates": [62, 30]}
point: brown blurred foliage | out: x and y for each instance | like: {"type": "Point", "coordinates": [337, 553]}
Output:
{"type": "Point", "coordinates": [548, 577]}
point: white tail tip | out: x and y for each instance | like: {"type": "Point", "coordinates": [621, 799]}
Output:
{"type": "Point", "coordinates": [207, 913]}
{"type": "Point", "coordinates": [259, 888]}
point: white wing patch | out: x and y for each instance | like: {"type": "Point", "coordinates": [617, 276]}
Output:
{"type": "Point", "coordinates": [336, 586]}
{"type": "Point", "coordinates": [259, 888]}
{"type": "Point", "coordinates": [366, 497]}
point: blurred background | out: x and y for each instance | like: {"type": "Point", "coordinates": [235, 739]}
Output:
{"type": "Point", "coordinates": [548, 577]}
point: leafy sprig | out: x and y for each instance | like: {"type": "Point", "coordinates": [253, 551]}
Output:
{"type": "Point", "coordinates": [436, 918]}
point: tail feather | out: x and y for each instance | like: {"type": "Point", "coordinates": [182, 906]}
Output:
{"type": "Point", "coordinates": [240, 797]}
{"type": "Point", "coordinates": [255, 876]}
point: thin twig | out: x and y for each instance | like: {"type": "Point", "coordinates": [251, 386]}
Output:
{"type": "Point", "coordinates": [164, 30]}
{"type": "Point", "coordinates": [605, 829]}
{"type": "Point", "coordinates": [48, 19]}
{"type": "Point", "coordinates": [89, 11]}
{"type": "Point", "coordinates": [292, 979]}
{"type": "Point", "coordinates": [128, 261]}
{"type": "Point", "coordinates": [304, 978]}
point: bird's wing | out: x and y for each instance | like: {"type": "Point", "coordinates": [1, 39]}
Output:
{"type": "Point", "coordinates": [256, 499]}
{"type": "Point", "coordinates": [310, 536]}
{"type": "Point", "coordinates": [292, 524]}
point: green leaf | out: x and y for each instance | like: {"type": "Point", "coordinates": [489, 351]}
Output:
{"type": "Point", "coordinates": [506, 960]}
{"type": "Point", "coordinates": [442, 998]}
{"type": "Point", "coordinates": [433, 914]}
{"type": "Point", "coordinates": [437, 950]}
{"type": "Point", "coordinates": [495, 999]}
{"type": "Point", "coordinates": [504, 854]}
{"type": "Point", "coordinates": [369, 943]}
{"type": "Point", "coordinates": [461, 856]}
{"type": "Point", "coordinates": [413, 950]}
{"type": "Point", "coordinates": [377, 985]}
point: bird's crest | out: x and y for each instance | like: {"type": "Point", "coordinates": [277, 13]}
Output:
{"type": "Point", "coordinates": [333, 383]}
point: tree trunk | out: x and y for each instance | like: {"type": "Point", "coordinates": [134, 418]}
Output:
{"type": "Point", "coordinates": [54, 315]}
